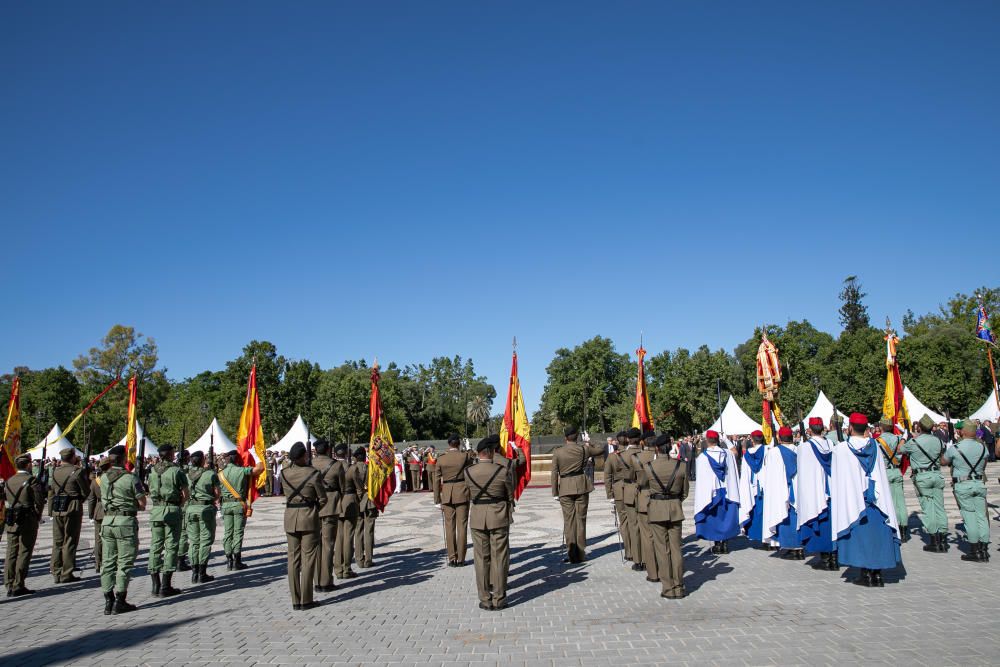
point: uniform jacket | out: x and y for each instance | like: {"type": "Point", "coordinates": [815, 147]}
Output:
{"type": "Point", "coordinates": [311, 495]}
{"type": "Point", "coordinates": [451, 488]}
{"type": "Point", "coordinates": [664, 481]}
{"type": "Point", "coordinates": [365, 504]}
{"type": "Point", "coordinates": [32, 499]}
{"type": "Point", "coordinates": [354, 484]}
{"type": "Point", "coordinates": [568, 462]}
{"type": "Point", "coordinates": [95, 510]}
{"type": "Point", "coordinates": [332, 476]}
{"type": "Point", "coordinates": [492, 496]}
{"type": "Point", "coordinates": [642, 478]}
{"type": "Point", "coordinates": [72, 481]}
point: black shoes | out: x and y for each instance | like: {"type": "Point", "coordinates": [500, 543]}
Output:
{"type": "Point", "coordinates": [18, 592]}
{"type": "Point", "coordinates": [167, 589]}
{"type": "Point", "coordinates": [653, 581]}
{"type": "Point", "coordinates": [182, 564]}
{"type": "Point", "coordinates": [205, 577]}
{"type": "Point", "coordinates": [238, 562]}
{"type": "Point", "coordinates": [121, 606]}
{"type": "Point", "coordinates": [870, 578]}
{"type": "Point", "coordinates": [229, 562]}
{"type": "Point", "coordinates": [155, 576]}
{"type": "Point", "coordinates": [638, 567]}
{"type": "Point", "coordinates": [109, 602]}
{"type": "Point", "coordinates": [978, 553]}
{"type": "Point", "coordinates": [485, 607]}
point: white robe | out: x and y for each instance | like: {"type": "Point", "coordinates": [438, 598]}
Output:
{"type": "Point", "coordinates": [775, 491]}
{"type": "Point", "coordinates": [707, 482]}
{"type": "Point", "coordinates": [848, 483]}
{"type": "Point", "coordinates": [810, 491]}
{"type": "Point", "coordinates": [750, 484]}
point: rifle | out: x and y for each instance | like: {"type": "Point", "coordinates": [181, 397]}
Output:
{"type": "Point", "coordinates": [836, 421]}
{"type": "Point", "coordinates": [309, 452]}
{"type": "Point", "coordinates": [802, 428]}
{"type": "Point", "coordinates": [951, 427]}
{"type": "Point", "coordinates": [141, 464]}
{"type": "Point", "coordinates": [211, 449]}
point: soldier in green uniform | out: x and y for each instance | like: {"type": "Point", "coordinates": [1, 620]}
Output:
{"type": "Point", "coordinates": [364, 531]}
{"type": "Point", "coordinates": [893, 455]}
{"type": "Point", "coordinates": [200, 510]}
{"type": "Point", "coordinates": [235, 482]}
{"type": "Point", "coordinates": [348, 518]}
{"type": "Point", "coordinates": [25, 500]}
{"type": "Point", "coordinates": [122, 500]}
{"type": "Point", "coordinates": [183, 564]}
{"type": "Point", "coordinates": [96, 511]}
{"type": "Point", "coordinates": [168, 489]}
{"type": "Point", "coordinates": [925, 452]}
{"type": "Point", "coordinates": [492, 492]}
{"type": "Point", "coordinates": [331, 476]}
{"type": "Point", "coordinates": [668, 488]}
{"type": "Point", "coordinates": [67, 491]}
{"type": "Point", "coordinates": [642, 505]}
{"type": "Point", "coordinates": [968, 468]}
{"type": "Point", "coordinates": [304, 497]}
{"type": "Point", "coordinates": [572, 487]}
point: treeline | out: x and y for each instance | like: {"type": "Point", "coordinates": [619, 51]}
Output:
{"type": "Point", "coordinates": [591, 384]}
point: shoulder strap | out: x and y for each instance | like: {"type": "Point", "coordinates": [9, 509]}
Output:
{"type": "Point", "coordinates": [885, 449]}
{"type": "Point", "coordinates": [17, 494]}
{"type": "Point", "coordinates": [972, 468]}
{"type": "Point", "coordinates": [297, 490]}
{"type": "Point", "coordinates": [670, 482]}
{"type": "Point", "coordinates": [229, 487]}
{"type": "Point", "coordinates": [482, 489]}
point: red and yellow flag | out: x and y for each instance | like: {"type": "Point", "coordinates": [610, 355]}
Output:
{"type": "Point", "coordinates": [131, 434]}
{"type": "Point", "coordinates": [381, 453]}
{"type": "Point", "coordinates": [515, 428]}
{"type": "Point", "coordinates": [768, 384]}
{"type": "Point", "coordinates": [893, 403]}
{"type": "Point", "coordinates": [10, 448]}
{"type": "Point", "coordinates": [641, 413]}
{"type": "Point", "coordinates": [250, 437]}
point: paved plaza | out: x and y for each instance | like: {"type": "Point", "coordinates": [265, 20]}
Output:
{"type": "Point", "coordinates": [748, 607]}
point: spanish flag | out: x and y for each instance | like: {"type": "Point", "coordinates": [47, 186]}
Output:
{"type": "Point", "coordinates": [10, 448]}
{"type": "Point", "coordinates": [250, 437]}
{"type": "Point", "coordinates": [893, 403]}
{"type": "Point", "coordinates": [515, 428]}
{"type": "Point", "coordinates": [641, 418]}
{"type": "Point", "coordinates": [381, 453]}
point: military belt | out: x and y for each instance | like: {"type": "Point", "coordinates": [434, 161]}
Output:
{"type": "Point", "coordinates": [488, 501]}
{"type": "Point", "coordinates": [457, 480]}
{"type": "Point", "coordinates": [572, 474]}
{"type": "Point", "coordinates": [199, 503]}
{"type": "Point", "coordinates": [664, 496]}
{"type": "Point", "coordinates": [109, 513]}
{"type": "Point", "coordinates": [300, 505]}
{"type": "Point", "coordinates": [968, 478]}
{"type": "Point", "coordinates": [929, 469]}
{"type": "Point", "coordinates": [171, 503]}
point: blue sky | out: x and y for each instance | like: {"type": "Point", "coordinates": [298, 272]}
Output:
{"type": "Point", "coordinates": [410, 180]}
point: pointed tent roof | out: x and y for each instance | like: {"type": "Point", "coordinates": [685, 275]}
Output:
{"type": "Point", "coordinates": [299, 432]}
{"type": "Point", "coordinates": [823, 408]}
{"type": "Point", "coordinates": [733, 420]}
{"type": "Point", "coordinates": [222, 442]}
{"type": "Point", "coordinates": [56, 444]}
{"type": "Point", "coordinates": [989, 409]}
{"type": "Point", "coordinates": [151, 448]}
{"type": "Point", "coordinates": [917, 409]}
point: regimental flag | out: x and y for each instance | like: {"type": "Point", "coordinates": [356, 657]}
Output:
{"type": "Point", "coordinates": [768, 384]}
{"type": "Point", "coordinates": [381, 453]}
{"type": "Point", "coordinates": [250, 437]}
{"type": "Point", "coordinates": [515, 428]}
{"type": "Point", "coordinates": [11, 445]}
{"type": "Point", "coordinates": [893, 404]}
{"type": "Point", "coordinates": [641, 412]}
{"type": "Point", "coordinates": [131, 433]}
{"type": "Point", "coordinates": [983, 331]}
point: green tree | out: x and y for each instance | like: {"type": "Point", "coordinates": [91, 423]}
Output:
{"type": "Point", "coordinates": [52, 393]}
{"type": "Point", "coordinates": [853, 312]}
{"type": "Point", "coordinates": [682, 387]}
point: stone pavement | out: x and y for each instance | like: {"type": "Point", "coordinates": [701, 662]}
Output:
{"type": "Point", "coordinates": [748, 607]}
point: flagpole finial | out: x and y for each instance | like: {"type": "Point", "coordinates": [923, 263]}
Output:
{"type": "Point", "coordinates": [515, 344]}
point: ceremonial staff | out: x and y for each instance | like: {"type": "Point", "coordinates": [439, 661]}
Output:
{"type": "Point", "coordinates": [43, 472]}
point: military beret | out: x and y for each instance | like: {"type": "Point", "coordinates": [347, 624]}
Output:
{"type": "Point", "coordinates": [117, 450]}
{"type": "Point", "coordinates": [927, 422]}
{"type": "Point", "coordinates": [815, 421]}
{"type": "Point", "coordinates": [489, 442]}
{"type": "Point", "coordinates": [164, 449]}
{"type": "Point", "coordinates": [634, 432]}
{"type": "Point", "coordinates": [359, 453]}
{"type": "Point", "coordinates": [785, 432]}
{"type": "Point", "coordinates": [570, 431]}
{"type": "Point", "coordinates": [22, 458]}
{"type": "Point", "coordinates": [297, 451]}
{"type": "Point", "coordinates": [711, 435]}
{"type": "Point", "coordinates": [858, 419]}
{"type": "Point", "coordinates": [340, 449]}
{"type": "Point", "coordinates": [757, 434]}
{"type": "Point", "coordinates": [453, 439]}
{"type": "Point", "coordinates": [661, 440]}
{"type": "Point", "coordinates": [960, 424]}
{"type": "Point", "coordinates": [648, 435]}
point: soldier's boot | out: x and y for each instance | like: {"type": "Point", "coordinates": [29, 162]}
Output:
{"type": "Point", "coordinates": [877, 579]}
{"type": "Point", "coordinates": [205, 577]}
{"type": "Point", "coordinates": [935, 543]}
{"type": "Point", "coordinates": [905, 531]}
{"type": "Point", "coordinates": [238, 562]}
{"type": "Point", "coordinates": [155, 576]}
{"type": "Point", "coordinates": [864, 578]}
{"type": "Point", "coordinates": [122, 607]}
{"type": "Point", "coordinates": [109, 602]}
{"type": "Point", "coordinates": [943, 542]}
{"type": "Point", "coordinates": [716, 549]}
{"type": "Point", "coordinates": [195, 574]}
{"type": "Point", "coordinates": [229, 561]}
{"type": "Point", "coordinates": [182, 564]}
{"type": "Point", "coordinates": [167, 590]}
{"type": "Point", "coordinates": [973, 554]}
{"type": "Point", "coordinates": [983, 554]}
{"type": "Point", "coordinates": [834, 561]}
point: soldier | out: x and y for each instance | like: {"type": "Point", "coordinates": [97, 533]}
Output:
{"type": "Point", "coordinates": [122, 500]}
{"type": "Point", "coordinates": [236, 480]}
{"type": "Point", "coordinates": [614, 484]}
{"type": "Point", "coordinates": [430, 467]}
{"type": "Point", "coordinates": [200, 510]}
{"type": "Point", "coordinates": [514, 464]}
{"type": "Point", "coordinates": [630, 495]}
{"type": "Point", "coordinates": [331, 478]}
{"type": "Point", "coordinates": [890, 444]}
{"type": "Point", "coordinates": [168, 489]}
{"type": "Point", "coordinates": [780, 496]}
{"type": "Point", "coordinates": [25, 500]}
{"type": "Point", "coordinates": [573, 488]}
{"type": "Point", "coordinates": [968, 468]}
{"type": "Point", "coordinates": [304, 497]}
{"type": "Point", "coordinates": [95, 511]}
{"type": "Point", "coordinates": [752, 474]}
{"type": "Point", "coordinates": [926, 452]}
{"type": "Point", "coordinates": [364, 531]}
{"type": "Point", "coordinates": [347, 518]}
{"type": "Point", "coordinates": [451, 495]}
{"type": "Point", "coordinates": [69, 487]}
{"type": "Point", "coordinates": [716, 495]}
{"type": "Point", "coordinates": [668, 484]}
{"type": "Point", "coordinates": [413, 468]}
{"type": "Point", "coordinates": [647, 454]}
{"type": "Point", "coordinates": [812, 494]}
{"type": "Point", "coordinates": [183, 564]}
{"type": "Point", "coordinates": [492, 492]}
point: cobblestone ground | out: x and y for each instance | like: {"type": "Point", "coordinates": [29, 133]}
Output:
{"type": "Point", "coordinates": [748, 607]}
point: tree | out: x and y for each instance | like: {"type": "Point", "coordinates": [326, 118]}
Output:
{"type": "Point", "coordinates": [477, 410]}
{"type": "Point", "coordinates": [853, 313]}
{"type": "Point", "coordinates": [122, 353]}
{"type": "Point", "coordinates": [52, 394]}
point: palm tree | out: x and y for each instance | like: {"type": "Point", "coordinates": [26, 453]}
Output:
{"type": "Point", "coordinates": [477, 410]}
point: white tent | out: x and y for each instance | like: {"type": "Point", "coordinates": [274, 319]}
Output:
{"type": "Point", "coordinates": [56, 444]}
{"type": "Point", "coordinates": [298, 433]}
{"type": "Point", "coordinates": [824, 410]}
{"type": "Point", "coordinates": [989, 409]}
{"type": "Point", "coordinates": [215, 437]}
{"type": "Point", "coordinates": [917, 409]}
{"type": "Point", "coordinates": [733, 420]}
{"type": "Point", "coordinates": [139, 433]}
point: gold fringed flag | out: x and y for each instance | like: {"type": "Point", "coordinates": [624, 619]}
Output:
{"type": "Point", "coordinates": [10, 448]}
{"type": "Point", "coordinates": [641, 412]}
{"type": "Point", "coordinates": [76, 420]}
{"type": "Point", "coordinates": [515, 428]}
{"type": "Point", "coordinates": [381, 453]}
{"type": "Point", "coordinates": [768, 384]}
{"type": "Point", "coordinates": [893, 403]}
{"type": "Point", "coordinates": [131, 433]}
{"type": "Point", "coordinates": [250, 437]}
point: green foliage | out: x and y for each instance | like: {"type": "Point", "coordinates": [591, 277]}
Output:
{"type": "Point", "coordinates": [853, 313]}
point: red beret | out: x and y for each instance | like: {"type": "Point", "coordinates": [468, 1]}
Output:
{"type": "Point", "coordinates": [858, 418]}
{"type": "Point", "coordinates": [711, 435]}
{"type": "Point", "coordinates": [815, 421]}
{"type": "Point", "coordinates": [757, 434]}
{"type": "Point", "coordinates": [784, 432]}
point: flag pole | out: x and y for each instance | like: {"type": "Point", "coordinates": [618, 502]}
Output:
{"type": "Point", "coordinates": [993, 374]}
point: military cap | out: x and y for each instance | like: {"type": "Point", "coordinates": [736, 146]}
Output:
{"type": "Point", "coordinates": [453, 439]}
{"type": "Point", "coordinates": [815, 421]}
{"type": "Point", "coordinates": [885, 423]}
{"type": "Point", "coordinates": [67, 454]}
{"type": "Point", "coordinates": [661, 440]}
{"type": "Point", "coordinates": [634, 433]}
{"type": "Point", "coordinates": [489, 442]}
{"type": "Point", "coordinates": [297, 451]}
{"type": "Point", "coordinates": [647, 435]}
{"type": "Point", "coordinates": [927, 422]}
{"type": "Point", "coordinates": [23, 458]}
{"type": "Point", "coordinates": [359, 453]}
{"type": "Point", "coordinates": [117, 450]}
{"type": "Point", "coordinates": [785, 432]}
{"type": "Point", "coordinates": [164, 449]}
{"type": "Point", "coordinates": [570, 431]}
{"type": "Point", "coordinates": [340, 449]}
{"type": "Point", "coordinates": [711, 435]}
{"type": "Point", "coordinates": [757, 434]}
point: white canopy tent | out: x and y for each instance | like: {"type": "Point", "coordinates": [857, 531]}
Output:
{"type": "Point", "coordinates": [299, 432]}
{"type": "Point", "coordinates": [989, 409]}
{"type": "Point", "coordinates": [733, 420]}
{"type": "Point", "coordinates": [56, 444]}
{"type": "Point", "coordinates": [823, 408]}
{"type": "Point", "coordinates": [139, 434]}
{"type": "Point", "coordinates": [917, 409]}
{"type": "Point", "coordinates": [215, 437]}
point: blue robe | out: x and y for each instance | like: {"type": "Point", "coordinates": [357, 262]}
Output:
{"type": "Point", "coordinates": [754, 525]}
{"type": "Point", "coordinates": [817, 533]}
{"type": "Point", "coordinates": [787, 530]}
{"type": "Point", "coordinates": [720, 519]}
{"type": "Point", "coordinates": [869, 542]}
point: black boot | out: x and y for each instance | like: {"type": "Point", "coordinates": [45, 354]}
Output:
{"type": "Point", "coordinates": [122, 607]}
{"type": "Point", "coordinates": [932, 544]}
{"type": "Point", "coordinates": [984, 551]}
{"type": "Point", "coordinates": [715, 548]}
{"type": "Point", "coordinates": [196, 574]}
{"type": "Point", "coordinates": [167, 590]}
{"type": "Point", "coordinates": [877, 579]}
{"type": "Point", "coordinates": [864, 578]}
{"type": "Point", "coordinates": [904, 532]}
{"type": "Point", "coordinates": [238, 562]}
{"type": "Point", "coordinates": [109, 602]}
{"type": "Point", "coordinates": [973, 554]}
{"type": "Point", "coordinates": [155, 576]}
{"type": "Point", "coordinates": [834, 562]}
{"type": "Point", "coordinates": [942, 542]}
{"type": "Point", "coordinates": [229, 561]}
{"type": "Point", "coordinates": [205, 576]}
{"type": "Point", "coordinates": [725, 546]}
{"type": "Point", "coordinates": [182, 564]}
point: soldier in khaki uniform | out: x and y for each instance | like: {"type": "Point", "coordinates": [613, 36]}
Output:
{"type": "Point", "coordinates": [67, 491]}
{"type": "Point", "coordinates": [331, 477]}
{"type": "Point", "coordinates": [646, 455]}
{"type": "Point", "coordinates": [364, 531]}
{"type": "Point", "coordinates": [304, 498]}
{"type": "Point", "coordinates": [451, 494]}
{"type": "Point", "coordinates": [347, 519]}
{"type": "Point", "coordinates": [119, 531]}
{"type": "Point", "coordinates": [668, 486]}
{"type": "Point", "coordinates": [573, 487]}
{"type": "Point", "coordinates": [492, 492]}
{"type": "Point", "coordinates": [614, 485]}
{"type": "Point", "coordinates": [25, 500]}
{"type": "Point", "coordinates": [95, 510]}
{"type": "Point", "coordinates": [413, 464]}
{"type": "Point", "coordinates": [630, 495]}
{"type": "Point", "coordinates": [430, 467]}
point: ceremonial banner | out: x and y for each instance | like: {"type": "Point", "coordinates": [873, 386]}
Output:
{"type": "Point", "coordinates": [381, 454]}
{"type": "Point", "coordinates": [768, 384]}
{"type": "Point", "coordinates": [11, 445]}
{"type": "Point", "coordinates": [641, 412]}
{"type": "Point", "coordinates": [250, 437]}
{"type": "Point", "coordinates": [131, 437]}
{"type": "Point", "coordinates": [77, 419]}
{"type": "Point", "coordinates": [984, 333]}
{"type": "Point", "coordinates": [893, 403]}
{"type": "Point", "coordinates": [515, 427]}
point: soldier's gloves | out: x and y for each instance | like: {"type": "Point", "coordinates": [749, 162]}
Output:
{"type": "Point", "coordinates": [555, 498]}
{"type": "Point", "coordinates": [437, 505]}
{"type": "Point", "coordinates": [513, 444]}
{"type": "Point", "coordinates": [585, 437]}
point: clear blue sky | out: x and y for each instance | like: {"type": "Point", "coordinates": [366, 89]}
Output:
{"type": "Point", "coordinates": [410, 180]}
